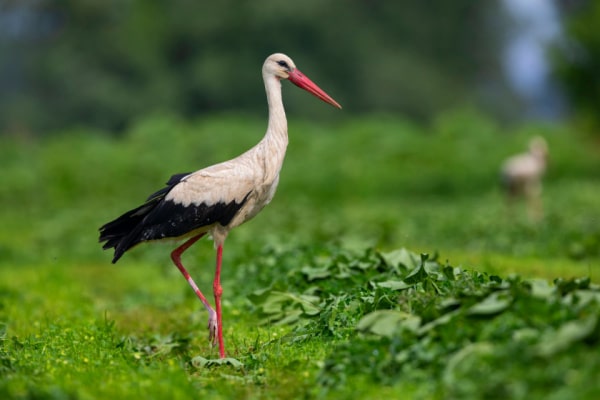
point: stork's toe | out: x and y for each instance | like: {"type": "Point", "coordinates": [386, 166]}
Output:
{"type": "Point", "coordinates": [212, 328]}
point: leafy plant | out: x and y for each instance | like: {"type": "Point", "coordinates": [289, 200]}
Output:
{"type": "Point", "coordinates": [397, 317]}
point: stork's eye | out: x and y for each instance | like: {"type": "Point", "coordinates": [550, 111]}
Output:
{"type": "Point", "coordinates": [283, 64]}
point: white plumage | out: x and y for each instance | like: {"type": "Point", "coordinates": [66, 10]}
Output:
{"type": "Point", "coordinates": [522, 175]}
{"type": "Point", "coordinates": [217, 198]}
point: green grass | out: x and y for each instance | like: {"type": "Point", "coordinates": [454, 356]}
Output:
{"type": "Point", "coordinates": [72, 325]}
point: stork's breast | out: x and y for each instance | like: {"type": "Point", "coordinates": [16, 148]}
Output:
{"type": "Point", "coordinates": [257, 200]}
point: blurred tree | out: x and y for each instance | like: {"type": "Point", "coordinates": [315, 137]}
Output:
{"type": "Point", "coordinates": [577, 61]}
{"type": "Point", "coordinates": [102, 63]}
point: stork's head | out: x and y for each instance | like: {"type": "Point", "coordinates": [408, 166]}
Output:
{"type": "Point", "coordinates": [282, 67]}
{"type": "Point", "coordinates": [538, 147]}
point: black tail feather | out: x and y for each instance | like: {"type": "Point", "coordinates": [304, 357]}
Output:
{"type": "Point", "coordinates": [123, 232]}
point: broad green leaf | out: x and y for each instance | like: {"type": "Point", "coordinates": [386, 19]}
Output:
{"type": "Point", "coordinates": [400, 257]}
{"type": "Point", "coordinates": [582, 298]}
{"type": "Point", "coordinates": [316, 273]}
{"type": "Point", "coordinates": [284, 307]}
{"type": "Point", "coordinates": [444, 319]}
{"type": "Point", "coordinates": [467, 359]}
{"type": "Point", "coordinates": [259, 296]}
{"type": "Point", "coordinates": [493, 304]}
{"type": "Point", "coordinates": [526, 335]}
{"type": "Point", "coordinates": [394, 285]}
{"type": "Point", "coordinates": [449, 302]}
{"type": "Point", "coordinates": [416, 275]}
{"type": "Point", "coordinates": [308, 304]}
{"type": "Point", "coordinates": [541, 288]}
{"type": "Point", "coordinates": [569, 333]}
{"type": "Point", "coordinates": [274, 302]}
{"type": "Point", "coordinates": [387, 322]}
{"type": "Point", "coordinates": [289, 317]}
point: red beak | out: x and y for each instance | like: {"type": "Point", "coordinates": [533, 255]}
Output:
{"type": "Point", "coordinates": [302, 81]}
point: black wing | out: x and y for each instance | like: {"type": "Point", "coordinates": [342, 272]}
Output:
{"type": "Point", "coordinates": [159, 219]}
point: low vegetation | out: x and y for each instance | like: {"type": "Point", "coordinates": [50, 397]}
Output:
{"type": "Point", "coordinates": [387, 265]}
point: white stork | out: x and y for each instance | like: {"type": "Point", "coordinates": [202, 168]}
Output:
{"type": "Point", "coordinates": [217, 198]}
{"type": "Point", "coordinates": [522, 175]}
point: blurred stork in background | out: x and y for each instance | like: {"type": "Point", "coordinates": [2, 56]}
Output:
{"type": "Point", "coordinates": [522, 174]}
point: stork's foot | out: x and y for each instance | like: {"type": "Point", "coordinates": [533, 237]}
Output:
{"type": "Point", "coordinates": [213, 327]}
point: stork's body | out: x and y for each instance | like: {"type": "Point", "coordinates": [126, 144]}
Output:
{"type": "Point", "coordinates": [522, 176]}
{"type": "Point", "coordinates": [217, 198]}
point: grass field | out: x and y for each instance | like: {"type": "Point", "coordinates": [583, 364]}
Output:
{"type": "Point", "coordinates": [328, 293]}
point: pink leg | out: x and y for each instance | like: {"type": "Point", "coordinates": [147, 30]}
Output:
{"type": "Point", "coordinates": [218, 291]}
{"type": "Point", "coordinates": [212, 316]}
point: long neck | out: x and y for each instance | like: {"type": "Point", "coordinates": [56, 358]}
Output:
{"type": "Point", "coordinates": [276, 136]}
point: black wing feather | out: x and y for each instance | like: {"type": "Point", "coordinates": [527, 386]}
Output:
{"type": "Point", "coordinates": [171, 183]}
{"type": "Point", "coordinates": [158, 219]}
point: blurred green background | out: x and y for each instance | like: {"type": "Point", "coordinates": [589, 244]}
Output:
{"type": "Point", "coordinates": [104, 64]}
